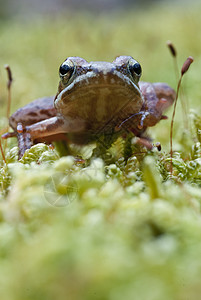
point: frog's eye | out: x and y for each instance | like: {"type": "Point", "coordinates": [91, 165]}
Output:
{"type": "Point", "coordinates": [135, 69]}
{"type": "Point", "coordinates": [66, 70]}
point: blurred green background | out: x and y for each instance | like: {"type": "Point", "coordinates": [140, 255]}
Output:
{"type": "Point", "coordinates": [128, 234]}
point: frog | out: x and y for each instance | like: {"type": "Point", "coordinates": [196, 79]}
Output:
{"type": "Point", "coordinates": [96, 101]}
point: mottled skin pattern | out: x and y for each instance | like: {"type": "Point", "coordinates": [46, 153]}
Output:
{"type": "Point", "coordinates": [94, 99]}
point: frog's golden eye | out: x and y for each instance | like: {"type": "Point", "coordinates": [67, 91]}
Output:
{"type": "Point", "coordinates": [66, 70]}
{"type": "Point", "coordinates": [135, 69]}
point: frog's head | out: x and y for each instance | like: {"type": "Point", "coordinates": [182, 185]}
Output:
{"type": "Point", "coordinates": [103, 85]}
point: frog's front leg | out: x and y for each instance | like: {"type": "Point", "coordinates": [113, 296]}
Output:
{"type": "Point", "coordinates": [157, 98]}
{"type": "Point", "coordinates": [51, 127]}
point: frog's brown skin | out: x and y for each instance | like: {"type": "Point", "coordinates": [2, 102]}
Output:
{"type": "Point", "coordinates": [94, 99]}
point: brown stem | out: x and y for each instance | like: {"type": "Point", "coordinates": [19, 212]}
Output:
{"type": "Point", "coordinates": [172, 122]}
{"type": "Point", "coordinates": [184, 69]}
{"type": "Point", "coordinates": [184, 100]}
{"type": "Point", "coordinates": [9, 83]}
{"type": "Point", "coordinates": [2, 152]}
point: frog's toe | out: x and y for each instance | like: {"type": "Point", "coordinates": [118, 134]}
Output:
{"type": "Point", "coordinates": [9, 135]}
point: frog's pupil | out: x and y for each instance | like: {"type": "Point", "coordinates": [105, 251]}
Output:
{"type": "Point", "coordinates": [64, 69]}
{"type": "Point", "coordinates": [136, 68]}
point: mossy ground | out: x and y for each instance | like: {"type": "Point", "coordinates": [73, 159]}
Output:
{"type": "Point", "coordinates": [107, 230]}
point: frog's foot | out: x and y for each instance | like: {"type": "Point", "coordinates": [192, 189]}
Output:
{"type": "Point", "coordinates": [145, 142]}
{"type": "Point", "coordinates": [144, 119]}
{"type": "Point", "coordinates": [24, 140]}
{"type": "Point", "coordinates": [128, 124]}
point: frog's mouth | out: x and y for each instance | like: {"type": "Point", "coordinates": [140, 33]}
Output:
{"type": "Point", "coordinates": [98, 82]}
{"type": "Point", "coordinates": [99, 96]}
